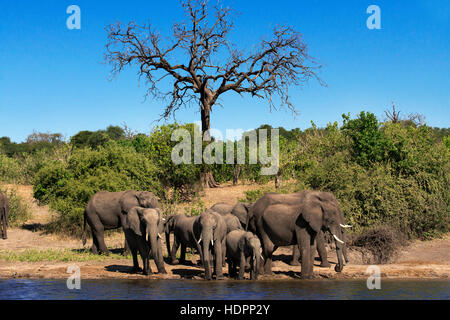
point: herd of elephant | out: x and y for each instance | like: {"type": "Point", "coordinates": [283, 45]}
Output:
{"type": "Point", "coordinates": [243, 235]}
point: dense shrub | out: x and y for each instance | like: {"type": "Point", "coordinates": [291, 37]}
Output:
{"type": "Point", "coordinates": [19, 211]}
{"type": "Point", "coordinates": [406, 187]}
{"type": "Point", "coordinates": [95, 139]}
{"type": "Point", "coordinates": [68, 185]}
{"type": "Point", "coordinates": [382, 241]}
{"type": "Point", "coordinates": [10, 170]}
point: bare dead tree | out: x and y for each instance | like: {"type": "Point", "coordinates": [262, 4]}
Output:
{"type": "Point", "coordinates": [412, 118]}
{"type": "Point", "coordinates": [212, 66]}
{"type": "Point", "coordinates": [393, 115]}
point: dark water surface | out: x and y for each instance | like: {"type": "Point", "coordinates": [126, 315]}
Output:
{"type": "Point", "coordinates": [223, 290]}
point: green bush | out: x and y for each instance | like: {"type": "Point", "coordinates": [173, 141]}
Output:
{"type": "Point", "coordinates": [10, 170]}
{"type": "Point", "coordinates": [19, 211]}
{"type": "Point", "coordinates": [179, 181]}
{"type": "Point", "coordinates": [68, 185]}
{"type": "Point", "coordinates": [393, 174]}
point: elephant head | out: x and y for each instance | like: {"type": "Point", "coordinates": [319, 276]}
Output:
{"type": "Point", "coordinates": [147, 223]}
{"type": "Point", "coordinates": [323, 213]}
{"type": "Point", "coordinates": [241, 210]}
{"type": "Point", "coordinates": [251, 246]}
{"type": "Point", "coordinates": [143, 199]}
{"type": "Point", "coordinates": [204, 230]}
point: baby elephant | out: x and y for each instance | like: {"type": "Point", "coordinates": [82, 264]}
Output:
{"type": "Point", "coordinates": [241, 247]}
{"type": "Point", "coordinates": [143, 231]}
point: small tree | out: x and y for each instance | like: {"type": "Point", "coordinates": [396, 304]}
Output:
{"type": "Point", "coordinates": [212, 66]}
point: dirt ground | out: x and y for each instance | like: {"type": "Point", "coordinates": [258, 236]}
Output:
{"type": "Point", "coordinates": [420, 259]}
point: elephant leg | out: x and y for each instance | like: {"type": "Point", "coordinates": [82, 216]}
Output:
{"type": "Point", "coordinates": [126, 248]}
{"type": "Point", "coordinates": [135, 261]}
{"type": "Point", "coordinates": [3, 225]}
{"type": "Point", "coordinates": [267, 251]}
{"type": "Point", "coordinates": [159, 259]}
{"type": "Point", "coordinates": [304, 241]}
{"type": "Point", "coordinates": [230, 270]}
{"type": "Point", "coordinates": [242, 266]}
{"type": "Point", "coordinates": [173, 254]}
{"type": "Point", "coordinates": [295, 256]}
{"type": "Point", "coordinates": [146, 264]}
{"type": "Point", "coordinates": [218, 257]}
{"type": "Point", "coordinates": [94, 247]}
{"type": "Point", "coordinates": [322, 250]}
{"type": "Point", "coordinates": [98, 234]}
{"type": "Point", "coordinates": [224, 251]}
{"type": "Point", "coordinates": [183, 254]}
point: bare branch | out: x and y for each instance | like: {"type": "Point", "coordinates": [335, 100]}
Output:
{"type": "Point", "coordinates": [212, 67]}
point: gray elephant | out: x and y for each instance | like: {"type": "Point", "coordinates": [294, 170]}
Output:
{"type": "Point", "coordinates": [287, 219]}
{"type": "Point", "coordinates": [240, 210]}
{"type": "Point", "coordinates": [210, 231]}
{"type": "Point", "coordinates": [107, 210]}
{"type": "Point", "coordinates": [4, 214]}
{"type": "Point", "coordinates": [143, 233]}
{"type": "Point", "coordinates": [243, 247]}
{"type": "Point", "coordinates": [182, 228]}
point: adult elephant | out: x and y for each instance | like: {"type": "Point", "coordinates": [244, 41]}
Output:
{"type": "Point", "coordinates": [288, 219]}
{"type": "Point", "coordinates": [143, 234]}
{"type": "Point", "coordinates": [4, 214]}
{"type": "Point", "coordinates": [107, 210]}
{"type": "Point", "coordinates": [210, 231]}
{"type": "Point", "coordinates": [182, 228]}
{"type": "Point", "coordinates": [240, 210]}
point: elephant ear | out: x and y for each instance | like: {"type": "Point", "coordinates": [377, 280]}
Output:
{"type": "Point", "coordinates": [312, 213]}
{"type": "Point", "coordinates": [133, 221]}
{"type": "Point", "coordinates": [160, 220]}
{"type": "Point", "coordinates": [168, 224]}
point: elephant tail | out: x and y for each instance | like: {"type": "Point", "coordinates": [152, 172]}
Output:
{"type": "Point", "coordinates": [83, 238]}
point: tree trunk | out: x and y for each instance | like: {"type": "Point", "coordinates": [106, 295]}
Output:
{"type": "Point", "coordinates": [206, 177]}
{"type": "Point", "coordinates": [278, 180]}
{"type": "Point", "coordinates": [236, 172]}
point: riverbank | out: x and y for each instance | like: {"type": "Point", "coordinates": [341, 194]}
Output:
{"type": "Point", "coordinates": [30, 253]}
{"type": "Point", "coordinates": [419, 260]}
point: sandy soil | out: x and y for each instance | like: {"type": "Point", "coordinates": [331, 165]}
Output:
{"type": "Point", "coordinates": [430, 259]}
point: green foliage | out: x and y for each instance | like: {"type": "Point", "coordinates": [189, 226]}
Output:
{"type": "Point", "coordinates": [19, 211]}
{"type": "Point", "coordinates": [10, 170]}
{"type": "Point", "coordinates": [35, 142]}
{"type": "Point", "coordinates": [68, 185]}
{"type": "Point", "coordinates": [406, 188]}
{"type": "Point", "coordinates": [179, 181]}
{"type": "Point", "coordinates": [95, 139]}
{"type": "Point", "coordinates": [368, 145]}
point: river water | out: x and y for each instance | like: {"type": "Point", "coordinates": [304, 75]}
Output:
{"type": "Point", "coordinates": [223, 290]}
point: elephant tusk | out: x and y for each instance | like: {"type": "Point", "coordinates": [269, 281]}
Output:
{"type": "Point", "coordinates": [199, 240]}
{"type": "Point", "coordinates": [159, 236]}
{"type": "Point", "coordinates": [345, 225]}
{"type": "Point", "coordinates": [262, 257]}
{"type": "Point", "coordinates": [212, 242]}
{"type": "Point", "coordinates": [337, 239]}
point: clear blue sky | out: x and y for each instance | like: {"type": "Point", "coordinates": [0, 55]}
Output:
{"type": "Point", "coordinates": [53, 80]}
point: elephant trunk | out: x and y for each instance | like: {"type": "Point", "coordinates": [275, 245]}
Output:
{"type": "Point", "coordinates": [255, 264]}
{"type": "Point", "coordinates": [152, 234]}
{"type": "Point", "coordinates": [167, 232]}
{"type": "Point", "coordinates": [340, 247]}
{"type": "Point", "coordinates": [206, 241]}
